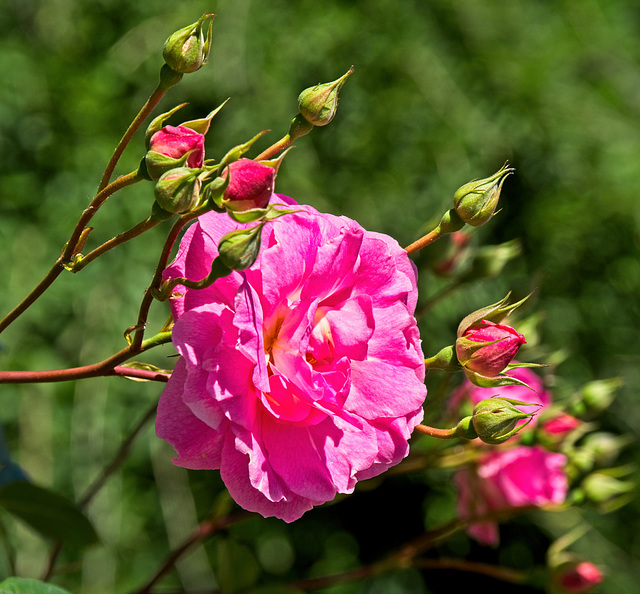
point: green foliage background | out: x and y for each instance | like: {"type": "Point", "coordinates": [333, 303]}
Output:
{"type": "Point", "coordinates": [444, 91]}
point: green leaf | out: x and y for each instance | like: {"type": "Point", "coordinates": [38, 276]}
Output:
{"type": "Point", "coordinates": [26, 586]}
{"type": "Point", "coordinates": [48, 513]}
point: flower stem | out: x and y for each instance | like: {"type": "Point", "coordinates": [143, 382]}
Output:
{"type": "Point", "coordinates": [147, 108]}
{"type": "Point", "coordinates": [424, 241]}
{"type": "Point", "coordinates": [435, 432]}
{"type": "Point", "coordinates": [147, 300]}
{"type": "Point", "coordinates": [275, 148]}
{"type": "Point", "coordinates": [70, 249]}
{"type": "Point", "coordinates": [449, 223]}
{"type": "Point", "coordinates": [125, 236]}
{"type": "Point", "coordinates": [110, 366]}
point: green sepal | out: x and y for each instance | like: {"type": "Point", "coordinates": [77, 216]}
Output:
{"type": "Point", "coordinates": [493, 313]}
{"type": "Point", "coordinates": [237, 151]}
{"type": "Point", "coordinates": [158, 123]}
{"type": "Point", "coordinates": [202, 125]}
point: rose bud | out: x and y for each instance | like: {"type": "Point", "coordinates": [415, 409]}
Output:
{"type": "Point", "coordinates": [178, 190]}
{"type": "Point", "coordinates": [239, 249]}
{"type": "Point", "coordinates": [168, 148]}
{"type": "Point", "coordinates": [577, 577]}
{"type": "Point", "coordinates": [498, 345]}
{"type": "Point", "coordinates": [476, 201]}
{"type": "Point", "coordinates": [318, 104]}
{"type": "Point", "coordinates": [187, 49]}
{"type": "Point", "coordinates": [250, 185]}
{"type": "Point", "coordinates": [495, 420]}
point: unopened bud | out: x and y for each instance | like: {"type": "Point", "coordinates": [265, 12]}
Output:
{"type": "Point", "coordinates": [250, 185]}
{"type": "Point", "coordinates": [496, 419]}
{"type": "Point", "coordinates": [596, 396]}
{"type": "Point", "coordinates": [178, 190]}
{"type": "Point", "coordinates": [606, 489]}
{"type": "Point", "coordinates": [318, 104]}
{"type": "Point", "coordinates": [487, 348]}
{"type": "Point", "coordinates": [239, 249]}
{"type": "Point", "coordinates": [476, 201]}
{"type": "Point", "coordinates": [604, 447]}
{"type": "Point", "coordinates": [188, 49]}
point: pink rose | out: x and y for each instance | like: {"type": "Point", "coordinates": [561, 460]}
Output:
{"type": "Point", "coordinates": [492, 359]}
{"type": "Point", "coordinates": [516, 477]}
{"type": "Point", "coordinates": [173, 142]}
{"type": "Point", "coordinates": [250, 186]}
{"type": "Point", "coordinates": [537, 395]}
{"type": "Point", "coordinates": [578, 577]}
{"type": "Point", "coordinates": [301, 375]}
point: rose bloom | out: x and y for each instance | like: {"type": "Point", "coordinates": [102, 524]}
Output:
{"type": "Point", "coordinates": [506, 478]}
{"type": "Point", "coordinates": [177, 141]}
{"type": "Point", "coordinates": [301, 375]}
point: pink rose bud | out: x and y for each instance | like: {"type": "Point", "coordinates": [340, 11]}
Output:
{"type": "Point", "coordinates": [250, 186]}
{"type": "Point", "coordinates": [561, 425]}
{"type": "Point", "coordinates": [168, 147]}
{"type": "Point", "coordinates": [492, 359]}
{"type": "Point", "coordinates": [578, 578]}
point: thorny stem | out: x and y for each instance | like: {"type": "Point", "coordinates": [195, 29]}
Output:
{"type": "Point", "coordinates": [147, 108]}
{"type": "Point", "coordinates": [147, 300]}
{"type": "Point", "coordinates": [110, 366]}
{"type": "Point", "coordinates": [138, 229]}
{"type": "Point", "coordinates": [105, 189]}
{"type": "Point", "coordinates": [70, 248]}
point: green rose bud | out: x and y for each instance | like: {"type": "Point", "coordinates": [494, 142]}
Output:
{"type": "Point", "coordinates": [188, 48]}
{"type": "Point", "coordinates": [239, 249]}
{"type": "Point", "coordinates": [318, 104]}
{"type": "Point", "coordinates": [496, 419]}
{"type": "Point", "coordinates": [476, 201]}
{"type": "Point", "coordinates": [178, 190]}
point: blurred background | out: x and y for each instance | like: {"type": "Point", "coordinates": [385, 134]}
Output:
{"type": "Point", "coordinates": [444, 91]}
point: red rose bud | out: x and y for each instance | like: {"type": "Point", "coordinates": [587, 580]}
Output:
{"type": "Point", "coordinates": [498, 346]}
{"type": "Point", "coordinates": [577, 577]}
{"type": "Point", "coordinates": [476, 201]}
{"type": "Point", "coordinates": [178, 190]}
{"type": "Point", "coordinates": [174, 146]}
{"type": "Point", "coordinates": [250, 185]}
{"type": "Point", "coordinates": [188, 48]}
{"type": "Point", "coordinates": [318, 104]}
{"type": "Point", "coordinates": [561, 425]}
